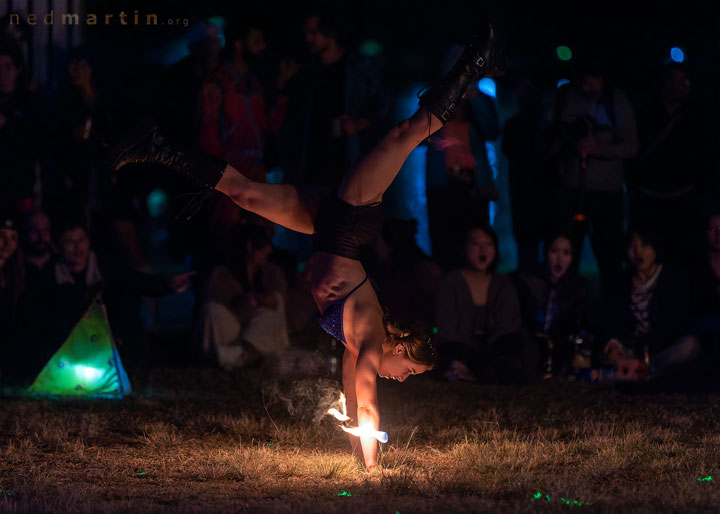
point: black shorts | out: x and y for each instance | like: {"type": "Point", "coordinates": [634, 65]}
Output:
{"type": "Point", "coordinates": [342, 229]}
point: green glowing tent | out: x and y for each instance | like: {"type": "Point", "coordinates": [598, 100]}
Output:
{"type": "Point", "coordinates": [87, 364]}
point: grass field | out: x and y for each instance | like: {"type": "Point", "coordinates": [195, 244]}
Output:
{"type": "Point", "coordinates": [193, 440]}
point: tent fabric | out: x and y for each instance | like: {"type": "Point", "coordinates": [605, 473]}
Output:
{"type": "Point", "coordinates": [87, 364]}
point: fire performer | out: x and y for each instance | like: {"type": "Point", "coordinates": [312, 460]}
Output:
{"type": "Point", "coordinates": [342, 221]}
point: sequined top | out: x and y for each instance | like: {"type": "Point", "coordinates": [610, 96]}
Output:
{"type": "Point", "coordinates": [331, 320]}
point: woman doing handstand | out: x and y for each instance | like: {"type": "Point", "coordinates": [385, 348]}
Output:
{"type": "Point", "coordinates": [342, 222]}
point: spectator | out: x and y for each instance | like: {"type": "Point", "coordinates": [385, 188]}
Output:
{"type": "Point", "coordinates": [234, 113]}
{"type": "Point", "coordinates": [407, 277]}
{"type": "Point", "coordinates": [79, 276]}
{"type": "Point", "coordinates": [553, 302]}
{"type": "Point", "coordinates": [460, 181]}
{"type": "Point", "coordinates": [478, 317]}
{"type": "Point", "coordinates": [671, 164]}
{"type": "Point", "coordinates": [338, 108]}
{"type": "Point", "coordinates": [705, 306]}
{"type": "Point", "coordinates": [528, 187]}
{"type": "Point", "coordinates": [11, 277]}
{"type": "Point", "coordinates": [86, 122]}
{"type": "Point", "coordinates": [649, 312]}
{"type": "Point", "coordinates": [242, 316]}
{"type": "Point", "coordinates": [20, 139]}
{"type": "Point", "coordinates": [593, 133]}
{"type": "Point", "coordinates": [178, 99]}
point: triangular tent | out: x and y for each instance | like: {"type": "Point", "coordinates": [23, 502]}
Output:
{"type": "Point", "coordinates": [87, 363]}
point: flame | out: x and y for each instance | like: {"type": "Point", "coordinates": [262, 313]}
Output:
{"type": "Point", "coordinates": [340, 416]}
{"type": "Point", "coordinates": [365, 431]}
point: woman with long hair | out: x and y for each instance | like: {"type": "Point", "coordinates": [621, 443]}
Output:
{"type": "Point", "coordinates": [342, 222]}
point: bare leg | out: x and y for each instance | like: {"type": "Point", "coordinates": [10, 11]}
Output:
{"type": "Point", "coordinates": [367, 182]}
{"type": "Point", "coordinates": [283, 204]}
{"type": "Point", "coordinates": [296, 209]}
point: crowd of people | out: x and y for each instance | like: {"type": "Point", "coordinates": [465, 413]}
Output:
{"type": "Point", "coordinates": [636, 179]}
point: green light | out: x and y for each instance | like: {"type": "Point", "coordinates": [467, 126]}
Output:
{"type": "Point", "coordinates": [549, 419]}
{"type": "Point", "coordinates": [706, 479]}
{"type": "Point", "coordinates": [564, 53]}
{"type": "Point", "coordinates": [141, 473]}
{"type": "Point", "coordinates": [538, 495]}
{"type": "Point", "coordinates": [269, 444]}
{"type": "Point", "coordinates": [370, 48]}
{"type": "Point", "coordinates": [344, 493]}
{"type": "Point", "coordinates": [435, 330]}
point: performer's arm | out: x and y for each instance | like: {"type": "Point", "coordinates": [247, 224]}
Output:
{"type": "Point", "coordinates": [366, 368]}
{"type": "Point", "coordinates": [348, 374]}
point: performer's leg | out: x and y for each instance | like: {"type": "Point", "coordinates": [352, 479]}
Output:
{"type": "Point", "coordinates": [283, 204]}
{"type": "Point", "coordinates": [373, 175]}
{"type": "Point", "coordinates": [367, 182]}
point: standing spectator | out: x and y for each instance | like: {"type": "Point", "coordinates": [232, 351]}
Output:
{"type": "Point", "coordinates": [86, 119]}
{"type": "Point", "coordinates": [553, 302]}
{"type": "Point", "coordinates": [478, 317]}
{"type": "Point", "coordinates": [339, 106]}
{"type": "Point", "coordinates": [234, 114]}
{"type": "Point", "coordinates": [671, 164]}
{"type": "Point", "coordinates": [593, 134]}
{"type": "Point", "coordinates": [178, 99]}
{"type": "Point", "coordinates": [20, 137]}
{"type": "Point", "coordinates": [649, 311]}
{"type": "Point", "coordinates": [460, 180]}
{"type": "Point", "coordinates": [528, 187]}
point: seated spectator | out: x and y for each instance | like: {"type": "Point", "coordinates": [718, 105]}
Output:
{"type": "Point", "coordinates": [478, 317]}
{"type": "Point", "coordinates": [705, 301]}
{"type": "Point", "coordinates": [648, 325]}
{"type": "Point", "coordinates": [407, 277]}
{"type": "Point", "coordinates": [11, 281]}
{"type": "Point", "coordinates": [242, 315]}
{"type": "Point", "coordinates": [77, 277]}
{"type": "Point", "coordinates": [553, 303]}
{"type": "Point", "coordinates": [37, 248]}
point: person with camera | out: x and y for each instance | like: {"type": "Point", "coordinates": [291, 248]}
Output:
{"type": "Point", "coordinates": [593, 134]}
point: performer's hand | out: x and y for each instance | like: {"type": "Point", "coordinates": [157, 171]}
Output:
{"type": "Point", "coordinates": [180, 283]}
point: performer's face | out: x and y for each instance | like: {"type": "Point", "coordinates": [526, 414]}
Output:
{"type": "Point", "coordinates": [396, 365]}
{"type": "Point", "coordinates": [479, 250]}
{"type": "Point", "coordinates": [559, 257]}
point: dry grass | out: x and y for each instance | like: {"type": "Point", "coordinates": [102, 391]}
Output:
{"type": "Point", "coordinates": [203, 441]}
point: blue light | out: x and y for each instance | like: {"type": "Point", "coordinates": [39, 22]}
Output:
{"type": "Point", "coordinates": [676, 54]}
{"type": "Point", "coordinates": [157, 203]}
{"type": "Point", "coordinates": [562, 82]}
{"type": "Point", "coordinates": [487, 86]}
